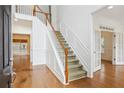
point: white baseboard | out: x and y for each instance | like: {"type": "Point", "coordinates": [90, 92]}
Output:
{"type": "Point", "coordinates": [97, 68]}
{"type": "Point", "coordinates": [119, 63]}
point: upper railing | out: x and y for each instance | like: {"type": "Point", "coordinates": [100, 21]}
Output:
{"type": "Point", "coordinates": [28, 10]}
{"type": "Point", "coordinates": [37, 9]}
{"type": "Point", "coordinates": [24, 9]}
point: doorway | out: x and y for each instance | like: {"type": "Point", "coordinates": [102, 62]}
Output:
{"type": "Point", "coordinates": [21, 52]}
{"type": "Point", "coordinates": [104, 48]}
{"type": "Point", "coordinates": [107, 46]}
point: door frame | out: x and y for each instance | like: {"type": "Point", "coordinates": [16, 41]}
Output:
{"type": "Point", "coordinates": [113, 47]}
{"type": "Point", "coordinates": [95, 52]}
{"type": "Point", "coordinates": [29, 36]}
{"type": "Point", "coordinates": [5, 68]}
{"type": "Point", "coordinates": [5, 13]}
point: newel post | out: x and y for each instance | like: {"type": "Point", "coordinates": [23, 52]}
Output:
{"type": "Point", "coordinates": [66, 64]}
{"type": "Point", "coordinates": [34, 10]}
{"type": "Point", "coordinates": [46, 17]}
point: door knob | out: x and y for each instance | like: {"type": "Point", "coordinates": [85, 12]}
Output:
{"type": "Point", "coordinates": [13, 76]}
{"type": "Point", "coordinates": [13, 79]}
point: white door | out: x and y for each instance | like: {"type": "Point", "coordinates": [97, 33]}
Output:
{"type": "Point", "coordinates": [97, 51]}
{"type": "Point", "coordinates": [114, 48]}
{"type": "Point", "coordinates": [119, 60]}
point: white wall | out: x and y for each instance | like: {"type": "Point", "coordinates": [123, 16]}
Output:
{"type": "Point", "coordinates": [45, 8]}
{"type": "Point", "coordinates": [54, 16]}
{"type": "Point", "coordinates": [79, 20]}
{"type": "Point", "coordinates": [22, 27]}
{"type": "Point", "coordinates": [38, 42]}
{"type": "Point", "coordinates": [100, 20]}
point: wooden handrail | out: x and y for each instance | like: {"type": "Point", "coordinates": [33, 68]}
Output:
{"type": "Point", "coordinates": [62, 45]}
{"type": "Point", "coordinates": [16, 8]}
{"type": "Point", "coordinates": [34, 9]}
{"type": "Point", "coordinates": [66, 64]}
{"type": "Point", "coordinates": [41, 10]}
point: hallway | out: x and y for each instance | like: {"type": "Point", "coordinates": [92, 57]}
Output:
{"type": "Point", "coordinates": [41, 77]}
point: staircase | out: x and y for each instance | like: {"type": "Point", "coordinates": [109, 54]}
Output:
{"type": "Point", "coordinates": [66, 65]}
{"type": "Point", "coordinates": [75, 69]}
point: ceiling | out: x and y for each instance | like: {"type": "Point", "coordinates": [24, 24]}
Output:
{"type": "Point", "coordinates": [116, 13]}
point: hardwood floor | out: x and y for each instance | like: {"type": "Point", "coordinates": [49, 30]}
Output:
{"type": "Point", "coordinates": [21, 63]}
{"type": "Point", "coordinates": [41, 77]}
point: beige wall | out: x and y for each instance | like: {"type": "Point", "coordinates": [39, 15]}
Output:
{"type": "Point", "coordinates": [107, 55]}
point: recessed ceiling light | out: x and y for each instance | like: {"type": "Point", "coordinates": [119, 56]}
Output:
{"type": "Point", "coordinates": [15, 19]}
{"type": "Point", "coordinates": [110, 7]}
